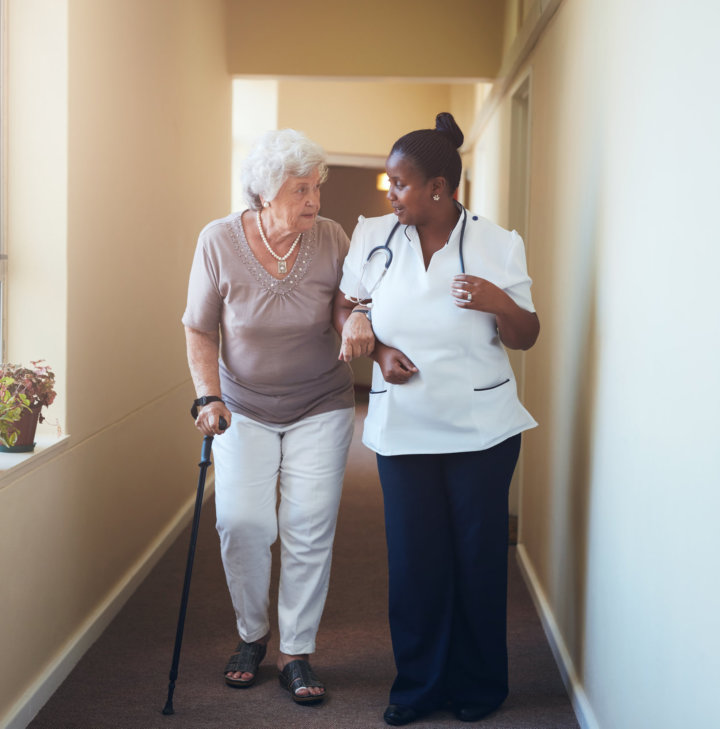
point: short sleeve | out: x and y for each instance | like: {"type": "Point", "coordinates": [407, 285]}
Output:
{"type": "Point", "coordinates": [343, 246]}
{"type": "Point", "coordinates": [351, 284]}
{"type": "Point", "coordinates": [204, 301]}
{"type": "Point", "coordinates": [518, 282]}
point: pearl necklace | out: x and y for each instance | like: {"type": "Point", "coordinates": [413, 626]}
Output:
{"type": "Point", "coordinates": [282, 261]}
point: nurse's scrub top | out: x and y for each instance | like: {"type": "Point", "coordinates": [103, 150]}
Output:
{"type": "Point", "coordinates": [464, 395]}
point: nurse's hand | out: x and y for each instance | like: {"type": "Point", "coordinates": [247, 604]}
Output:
{"type": "Point", "coordinates": [471, 292]}
{"type": "Point", "coordinates": [396, 368]}
{"type": "Point", "coordinates": [518, 328]}
{"type": "Point", "coordinates": [358, 339]}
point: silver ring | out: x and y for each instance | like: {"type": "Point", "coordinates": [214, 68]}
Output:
{"type": "Point", "coordinates": [469, 296]}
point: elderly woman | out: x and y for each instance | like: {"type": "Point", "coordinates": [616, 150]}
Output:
{"type": "Point", "coordinates": [444, 419]}
{"type": "Point", "coordinates": [263, 355]}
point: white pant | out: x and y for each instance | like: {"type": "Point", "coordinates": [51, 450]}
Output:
{"type": "Point", "coordinates": [308, 460]}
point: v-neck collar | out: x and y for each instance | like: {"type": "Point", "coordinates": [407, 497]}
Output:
{"type": "Point", "coordinates": [280, 286]}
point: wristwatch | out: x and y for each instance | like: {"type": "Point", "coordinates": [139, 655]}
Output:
{"type": "Point", "coordinates": [201, 402]}
{"type": "Point", "coordinates": [362, 310]}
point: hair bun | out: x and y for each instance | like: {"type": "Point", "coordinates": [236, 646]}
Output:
{"type": "Point", "coordinates": [445, 123]}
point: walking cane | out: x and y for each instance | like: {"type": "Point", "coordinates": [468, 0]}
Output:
{"type": "Point", "coordinates": [204, 464]}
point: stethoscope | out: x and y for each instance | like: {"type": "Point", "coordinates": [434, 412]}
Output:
{"type": "Point", "coordinates": [385, 250]}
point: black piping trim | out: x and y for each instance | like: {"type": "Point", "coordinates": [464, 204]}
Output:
{"type": "Point", "coordinates": [483, 389]}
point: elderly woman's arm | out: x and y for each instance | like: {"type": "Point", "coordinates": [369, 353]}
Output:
{"type": "Point", "coordinates": [203, 349]}
{"type": "Point", "coordinates": [358, 340]}
{"type": "Point", "coordinates": [355, 331]}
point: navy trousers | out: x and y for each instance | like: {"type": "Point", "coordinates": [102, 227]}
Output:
{"type": "Point", "coordinates": [446, 522]}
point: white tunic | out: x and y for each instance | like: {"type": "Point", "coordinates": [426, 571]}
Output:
{"type": "Point", "coordinates": [464, 395]}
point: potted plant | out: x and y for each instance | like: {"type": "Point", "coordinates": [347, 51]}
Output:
{"type": "Point", "coordinates": [24, 391]}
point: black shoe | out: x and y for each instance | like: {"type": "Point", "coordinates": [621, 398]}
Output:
{"type": "Point", "coordinates": [474, 712]}
{"type": "Point", "coordinates": [397, 715]}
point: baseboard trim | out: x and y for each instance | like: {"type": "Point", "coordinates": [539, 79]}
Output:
{"type": "Point", "coordinates": [38, 693]}
{"type": "Point", "coordinates": [581, 705]}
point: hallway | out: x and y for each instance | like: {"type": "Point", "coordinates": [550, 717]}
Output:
{"type": "Point", "coordinates": [122, 681]}
{"type": "Point", "coordinates": [115, 160]}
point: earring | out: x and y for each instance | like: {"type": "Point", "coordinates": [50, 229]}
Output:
{"type": "Point", "coordinates": [436, 197]}
{"type": "Point", "coordinates": [266, 204]}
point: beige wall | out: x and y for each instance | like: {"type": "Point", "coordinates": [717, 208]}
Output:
{"type": "Point", "coordinates": [359, 117]}
{"type": "Point", "coordinates": [370, 38]}
{"type": "Point", "coordinates": [139, 161]}
{"type": "Point", "coordinates": [623, 178]}
{"type": "Point", "coordinates": [157, 133]}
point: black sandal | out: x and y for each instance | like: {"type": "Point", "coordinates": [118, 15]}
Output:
{"type": "Point", "coordinates": [298, 675]}
{"type": "Point", "coordinates": [246, 659]}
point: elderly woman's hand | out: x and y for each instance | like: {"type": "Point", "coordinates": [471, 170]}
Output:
{"type": "Point", "coordinates": [208, 419]}
{"type": "Point", "coordinates": [358, 339]}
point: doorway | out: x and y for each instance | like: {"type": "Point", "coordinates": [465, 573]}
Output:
{"type": "Point", "coordinates": [519, 194]}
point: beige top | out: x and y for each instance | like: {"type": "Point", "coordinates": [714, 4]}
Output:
{"type": "Point", "coordinates": [279, 351]}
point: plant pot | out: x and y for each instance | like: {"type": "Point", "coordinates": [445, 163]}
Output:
{"type": "Point", "coordinates": [27, 425]}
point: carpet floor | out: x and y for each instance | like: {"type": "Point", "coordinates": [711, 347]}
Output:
{"type": "Point", "coordinates": [122, 681]}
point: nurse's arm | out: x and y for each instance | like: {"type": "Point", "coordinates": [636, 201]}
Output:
{"type": "Point", "coordinates": [358, 339]}
{"type": "Point", "coordinates": [517, 327]}
{"type": "Point", "coordinates": [396, 368]}
{"type": "Point", "coordinates": [355, 329]}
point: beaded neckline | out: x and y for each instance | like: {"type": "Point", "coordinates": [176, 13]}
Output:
{"type": "Point", "coordinates": [279, 286]}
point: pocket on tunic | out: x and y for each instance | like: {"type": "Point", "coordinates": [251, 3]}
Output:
{"type": "Point", "coordinates": [491, 387]}
{"type": "Point", "coordinates": [496, 411]}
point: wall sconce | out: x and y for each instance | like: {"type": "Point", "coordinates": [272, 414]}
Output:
{"type": "Point", "coordinates": [383, 182]}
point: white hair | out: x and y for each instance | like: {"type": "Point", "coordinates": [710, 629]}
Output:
{"type": "Point", "coordinates": [276, 156]}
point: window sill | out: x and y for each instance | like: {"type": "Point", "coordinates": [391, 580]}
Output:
{"type": "Point", "coordinates": [48, 445]}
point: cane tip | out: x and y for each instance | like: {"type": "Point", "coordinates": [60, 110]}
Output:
{"type": "Point", "coordinates": [168, 710]}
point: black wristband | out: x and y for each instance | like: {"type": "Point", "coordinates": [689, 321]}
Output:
{"type": "Point", "coordinates": [201, 402]}
{"type": "Point", "coordinates": [362, 311]}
